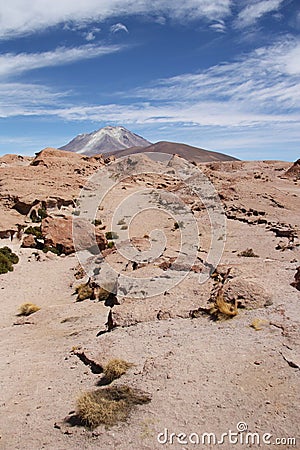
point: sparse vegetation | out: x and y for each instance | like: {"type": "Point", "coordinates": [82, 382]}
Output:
{"type": "Point", "coordinates": [249, 253]}
{"type": "Point", "coordinates": [54, 250]}
{"type": "Point", "coordinates": [26, 309]}
{"type": "Point", "coordinates": [109, 405]}
{"type": "Point", "coordinates": [115, 368]}
{"type": "Point", "coordinates": [39, 215]}
{"type": "Point", "coordinates": [219, 308]}
{"type": "Point", "coordinates": [102, 294]}
{"type": "Point", "coordinates": [7, 259]}
{"type": "Point", "coordinates": [35, 231]}
{"type": "Point", "coordinates": [222, 309]}
{"type": "Point", "coordinates": [83, 291]}
{"type": "Point", "coordinates": [258, 324]}
{"type": "Point", "coordinates": [111, 235]}
{"type": "Point", "coordinates": [178, 225]}
{"type": "Point", "coordinates": [97, 222]}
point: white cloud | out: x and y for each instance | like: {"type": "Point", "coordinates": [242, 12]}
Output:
{"type": "Point", "coordinates": [20, 99]}
{"type": "Point", "coordinates": [20, 17]}
{"type": "Point", "coordinates": [251, 13]}
{"type": "Point", "coordinates": [218, 26]}
{"type": "Point", "coordinates": [12, 64]}
{"type": "Point", "coordinates": [90, 36]}
{"type": "Point", "coordinates": [253, 99]}
{"type": "Point", "coordinates": [118, 27]}
{"type": "Point", "coordinates": [264, 81]}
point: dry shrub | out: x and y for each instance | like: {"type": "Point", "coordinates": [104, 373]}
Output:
{"type": "Point", "coordinates": [83, 291]}
{"type": "Point", "coordinates": [108, 406]}
{"type": "Point", "coordinates": [28, 308]}
{"type": "Point", "coordinates": [222, 309]}
{"type": "Point", "coordinates": [258, 324]}
{"type": "Point", "coordinates": [115, 368]}
{"type": "Point", "coordinates": [249, 253]}
{"type": "Point", "coordinates": [102, 294]}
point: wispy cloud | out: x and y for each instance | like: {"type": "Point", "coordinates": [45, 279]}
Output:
{"type": "Point", "coordinates": [13, 64]}
{"type": "Point", "coordinates": [20, 99]}
{"type": "Point", "coordinates": [256, 82]}
{"type": "Point", "coordinates": [218, 26]}
{"type": "Point", "coordinates": [118, 27]}
{"type": "Point", "coordinates": [244, 99]}
{"type": "Point", "coordinates": [262, 87]}
{"type": "Point", "coordinates": [18, 17]}
{"type": "Point", "coordinates": [251, 13]}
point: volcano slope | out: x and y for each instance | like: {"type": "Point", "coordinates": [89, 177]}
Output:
{"type": "Point", "coordinates": [211, 356]}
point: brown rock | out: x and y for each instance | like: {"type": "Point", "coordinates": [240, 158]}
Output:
{"type": "Point", "coordinates": [296, 283]}
{"type": "Point", "coordinates": [249, 295]}
{"type": "Point", "coordinates": [58, 233]}
{"type": "Point", "coordinates": [294, 171]}
{"type": "Point", "coordinates": [29, 241]}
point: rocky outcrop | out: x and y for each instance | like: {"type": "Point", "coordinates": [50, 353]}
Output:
{"type": "Point", "coordinates": [294, 171]}
{"type": "Point", "coordinates": [29, 241]}
{"type": "Point", "coordinates": [57, 232]}
{"type": "Point", "coordinates": [296, 283]}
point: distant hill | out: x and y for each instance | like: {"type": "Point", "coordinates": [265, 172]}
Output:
{"type": "Point", "coordinates": [185, 151]}
{"type": "Point", "coordinates": [108, 139]}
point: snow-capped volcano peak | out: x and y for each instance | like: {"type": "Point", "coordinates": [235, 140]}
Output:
{"type": "Point", "coordinates": [107, 139]}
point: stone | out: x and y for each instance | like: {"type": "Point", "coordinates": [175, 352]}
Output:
{"type": "Point", "coordinates": [29, 241]}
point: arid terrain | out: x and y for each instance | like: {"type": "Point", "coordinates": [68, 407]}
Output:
{"type": "Point", "coordinates": [213, 357]}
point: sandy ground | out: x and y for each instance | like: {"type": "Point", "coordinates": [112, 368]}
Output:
{"type": "Point", "coordinates": [202, 376]}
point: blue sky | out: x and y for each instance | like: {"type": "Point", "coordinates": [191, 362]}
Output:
{"type": "Point", "coordinates": [218, 74]}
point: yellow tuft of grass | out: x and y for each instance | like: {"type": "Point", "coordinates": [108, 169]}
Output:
{"type": "Point", "coordinates": [222, 309]}
{"type": "Point", "coordinates": [83, 291]}
{"type": "Point", "coordinates": [108, 406]}
{"type": "Point", "coordinates": [28, 308]}
{"type": "Point", "coordinates": [258, 324]}
{"type": "Point", "coordinates": [115, 368]}
{"type": "Point", "coordinates": [102, 294]}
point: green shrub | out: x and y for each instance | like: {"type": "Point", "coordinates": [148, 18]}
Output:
{"type": "Point", "coordinates": [111, 244]}
{"type": "Point", "coordinates": [54, 250]}
{"type": "Point", "coordinates": [35, 231]}
{"type": "Point", "coordinates": [97, 222]}
{"type": "Point", "coordinates": [7, 259]}
{"type": "Point", "coordinates": [5, 264]}
{"type": "Point", "coordinates": [111, 235]}
{"type": "Point", "coordinates": [42, 213]}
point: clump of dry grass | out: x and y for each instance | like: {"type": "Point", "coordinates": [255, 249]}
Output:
{"type": "Point", "coordinates": [108, 406]}
{"type": "Point", "coordinates": [83, 291]}
{"type": "Point", "coordinates": [249, 253]}
{"type": "Point", "coordinates": [258, 324]}
{"type": "Point", "coordinates": [222, 309]}
{"type": "Point", "coordinates": [102, 294]}
{"type": "Point", "coordinates": [219, 308]}
{"type": "Point", "coordinates": [115, 368]}
{"type": "Point", "coordinates": [28, 308]}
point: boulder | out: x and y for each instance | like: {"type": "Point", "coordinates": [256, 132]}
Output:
{"type": "Point", "coordinates": [294, 170]}
{"type": "Point", "coordinates": [249, 294]}
{"type": "Point", "coordinates": [29, 241]}
{"type": "Point", "coordinates": [58, 232]}
{"type": "Point", "coordinates": [296, 283]}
